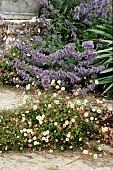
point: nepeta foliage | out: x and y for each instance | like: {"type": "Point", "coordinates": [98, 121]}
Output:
{"type": "Point", "coordinates": [66, 64]}
{"type": "Point", "coordinates": [69, 18]}
{"type": "Point", "coordinates": [54, 48]}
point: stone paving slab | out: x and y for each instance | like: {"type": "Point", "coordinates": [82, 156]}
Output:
{"type": "Point", "coordinates": [8, 98]}
{"type": "Point", "coordinates": [37, 161]}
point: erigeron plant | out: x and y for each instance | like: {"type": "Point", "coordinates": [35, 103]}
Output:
{"type": "Point", "coordinates": [56, 121]}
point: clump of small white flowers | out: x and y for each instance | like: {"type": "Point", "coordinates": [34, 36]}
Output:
{"type": "Point", "coordinates": [30, 131]}
{"type": "Point", "coordinates": [86, 114]}
{"type": "Point", "coordinates": [59, 82]}
{"type": "Point", "coordinates": [29, 140]}
{"type": "Point", "coordinates": [49, 105]}
{"type": "Point", "coordinates": [63, 88]}
{"type": "Point", "coordinates": [67, 139]}
{"type": "Point", "coordinates": [110, 108]}
{"type": "Point", "coordinates": [46, 140]}
{"type": "Point", "coordinates": [104, 129]}
{"type": "Point", "coordinates": [23, 119]}
{"type": "Point", "coordinates": [24, 102]}
{"type": "Point", "coordinates": [33, 83]}
{"type": "Point", "coordinates": [78, 102]}
{"type": "Point", "coordinates": [21, 148]}
{"type": "Point", "coordinates": [27, 111]}
{"type": "Point", "coordinates": [35, 107]}
{"type": "Point", "coordinates": [39, 93]}
{"type": "Point", "coordinates": [80, 139]}
{"type": "Point", "coordinates": [34, 137]}
{"type": "Point", "coordinates": [95, 156]}
{"type": "Point", "coordinates": [43, 116]}
{"type": "Point", "coordinates": [99, 101]}
{"type": "Point", "coordinates": [43, 138]}
{"type": "Point", "coordinates": [62, 148]}
{"type": "Point", "coordinates": [68, 135]}
{"type": "Point", "coordinates": [52, 82]}
{"type": "Point", "coordinates": [72, 105]}
{"type": "Point", "coordinates": [99, 111]}
{"type": "Point", "coordinates": [29, 122]}
{"type": "Point", "coordinates": [55, 123]}
{"type": "Point", "coordinates": [56, 101]}
{"type": "Point", "coordinates": [24, 98]}
{"type": "Point", "coordinates": [17, 86]}
{"type": "Point", "coordinates": [38, 30]}
{"type": "Point", "coordinates": [93, 109]}
{"type": "Point", "coordinates": [23, 115]}
{"type": "Point", "coordinates": [36, 143]}
{"type": "Point", "coordinates": [96, 82]}
{"type": "Point", "coordinates": [91, 118]}
{"type": "Point", "coordinates": [28, 86]}
{"type": "Point", "coordinates": [28, 54]}
{"type": "Point", "coordinates": [55, 94]}
{"type": "Point", "coordinates": [40, 118]}
{"type": "Point", "coordinates": [50, 151]}
{"type": "Point", "coordinates": [57, 87]}
{"type": "Point", "coordinates": [99, 148]}
{"type": "Point", "coordinates": [21, 131]}
{"type": "Point", "coordinates": [25, 134]}
{"type": "Point", "coordinates": [72, 120]}
{"type": "Point", "coordinates": [64, 125]}
{"type": "Point", "coordinates": [66, 122]}
{"type": "Point", "coordinates": [46, 132]}
{"type": "Point", "coordinates": [85, 101]}
{"type": "Point", "coordinates": [71, 147]}
{"type": "Point", "coordinates": [24, 130]}
{"type": "Point", "coordinates": [85, 152]}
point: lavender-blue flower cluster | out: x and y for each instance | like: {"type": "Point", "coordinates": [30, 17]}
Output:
{"type": "Point", "coordinates": [66, 64]}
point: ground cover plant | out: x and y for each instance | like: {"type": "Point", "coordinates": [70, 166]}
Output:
{"type": "Point", "coordinates": [54, 56]}
{"type": "Point", "coordinates": [56, 121]}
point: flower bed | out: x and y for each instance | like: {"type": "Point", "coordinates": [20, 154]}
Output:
{"type": "Point", "coordinates": [27, 62]}
{"type": "Point", "coordinates": [56, 53]}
